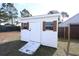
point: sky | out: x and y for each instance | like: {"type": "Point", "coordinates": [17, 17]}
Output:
{"type": "Point", "coordinates": [40, 7]}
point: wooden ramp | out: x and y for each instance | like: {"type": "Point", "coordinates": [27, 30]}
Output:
{"type": "Point", "coordinates": [30, 47]}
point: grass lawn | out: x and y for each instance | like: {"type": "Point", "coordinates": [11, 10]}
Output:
{"type": "Point", "coordinates": [11, 49]}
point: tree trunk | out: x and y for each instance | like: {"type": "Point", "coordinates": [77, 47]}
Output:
{"type": "Point", "coordinates": [12, 21]}
{"type": "Point", "coordinates": [0, 22]}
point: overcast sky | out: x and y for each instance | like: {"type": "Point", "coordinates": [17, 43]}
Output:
{"type": "Point", "coordinates": [39, 7]}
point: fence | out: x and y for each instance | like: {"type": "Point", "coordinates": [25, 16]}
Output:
{"type": "Point", "coordinates": [74, 31]}
{"type": "Point", "coordinates": [9, 28]}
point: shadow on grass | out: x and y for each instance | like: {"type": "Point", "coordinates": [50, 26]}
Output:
{"type": "Point", "coordinates": [11, 49]}
{"type": "Point", "coordinates": [45, 51]}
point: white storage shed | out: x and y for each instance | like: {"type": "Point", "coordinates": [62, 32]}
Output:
{"type": "Point", "coordinates": [39, 30]}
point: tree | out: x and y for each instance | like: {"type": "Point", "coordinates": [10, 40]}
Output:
{"type": "Point", "coordinates": [10, 10]}
{"type": "Point", "coordinates": [3, 16]}
{"type": "Point", "coordinates": [64, 15]}
{"type": "Point", "coordinates": [25, 13]}
{"type": "Point", "coordinates": [53, 12]}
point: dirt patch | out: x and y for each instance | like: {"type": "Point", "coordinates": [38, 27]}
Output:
{"type": "Point", "coordinates": [62, 47]}
{"type": "Point", "coordinates": [8, 36]}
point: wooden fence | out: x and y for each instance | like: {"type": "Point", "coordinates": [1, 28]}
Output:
{"type": "Point", "coordinates": [74, 31]}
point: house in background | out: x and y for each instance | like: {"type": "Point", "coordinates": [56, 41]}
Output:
{"type": "Point", "coordinates": [72, 20]}
{"type": "Point", "coordinates": [74, 27]}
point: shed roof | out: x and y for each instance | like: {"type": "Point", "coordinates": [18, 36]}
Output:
{"type": "Point", "coordinates": [40, 16]}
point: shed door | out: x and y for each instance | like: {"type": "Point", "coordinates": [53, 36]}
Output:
{"type": "Point", "coordinates": [35, 32]}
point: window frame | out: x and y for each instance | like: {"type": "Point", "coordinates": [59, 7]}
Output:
{"type": "Point", "coordinates": [25, 26]}
{"type": "Point", "coordinates": [54, 26]}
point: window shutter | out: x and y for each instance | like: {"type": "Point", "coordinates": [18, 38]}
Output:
{"type": "Point", "coordinates": [54, 25]}
{"type": "Point", "coordinates": [44, 26]}
{"type": "Point", "coordinates": [28, 25]}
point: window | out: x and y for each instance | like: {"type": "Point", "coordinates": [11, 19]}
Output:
{"type": "Point", "coordinates": [25, 26]}
{"type": "Point", "coordinates": [54, 25]}
{"type": "Point", "coordinates": [49, 25]}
